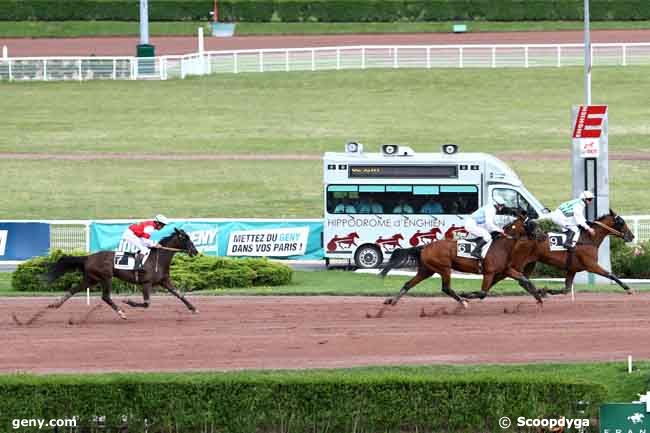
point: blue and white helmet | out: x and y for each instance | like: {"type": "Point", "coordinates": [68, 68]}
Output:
{"type": "Point", "coordinates": [499, 201]}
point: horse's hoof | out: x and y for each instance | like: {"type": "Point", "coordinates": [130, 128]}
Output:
{"type": "Point", "coordinates": [121, 314]}
{"type": "Point", "coordinates": [388, 301]}
{"type": "Point", "coordinates": [631, 292]}
{"type": "Point", "coordinates": [194, 311]}
{"type": "Point", "coordinates": [465, 304]}
{"type": "Point", "coordinates": [52, 306]}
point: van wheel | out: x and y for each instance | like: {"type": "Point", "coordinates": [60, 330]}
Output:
{"type": "Point", "coordinates": [368, 256]}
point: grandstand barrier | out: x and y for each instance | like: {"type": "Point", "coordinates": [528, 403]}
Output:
{"type": "Point", "coordinates": [321, 59]}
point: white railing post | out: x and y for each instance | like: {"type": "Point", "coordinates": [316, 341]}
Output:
{"type": "Point", "coordinates": [87, 233]}
{"type": "Point", "coordinates": [559, 56]}
{"type": "Point", "coordinates": [494, 57]}
{"type": "Point", "coordinates": [80, 71]}
{"type": "Point", "coordinates": [286, 60]}
{"type": "Point", "coordinates": [395, 61]}
{"type": "Point", "coordinates": [44, 69]}
{"type": "Point", "coordinates": [11, 76]}
{"type": "Point", "coordinates": [160, 68]}
{"type": "Point", "coordinates": [313, 59]}
{"type": "Point", "coordinates": [114, 75]}
{"type": "Point", "coordinates": [338, 58]}
{"type": "Point", "coordinates": [526, 56]}
{"type": "Point", "coordinates": [624, 55]}
{"type": "Point", "coordinates": [460, 57]}
{"type": "Point", "coordinates": [133, 63]}
{"type": "Point", "coordinates": [428, 57]}
{"type": "Point", "coordinates": [182, 68]}
{"type": "Point", "coordinates": [363, 57]}
{"type": "Point", "coordinates": [261, 60]}
{"type": "Point", "coordinates": [234, 63]}
{"type": "Point", "coordinates": [636, 230]}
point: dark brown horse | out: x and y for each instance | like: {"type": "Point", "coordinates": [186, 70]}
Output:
{"type": "Point", "coordinates": [98, 268]}
{"type": "Point", "coordinates": [441, 257]}
{"type": "Point", "coordinates": [584, 258]}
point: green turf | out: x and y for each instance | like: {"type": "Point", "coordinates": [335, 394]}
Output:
{"type": "Point", "coordinates": [336, 282]}
{"type": "Point", "coordinates": [225, 189]}
{"type": "Point", "coordinates": [189, 28]}
{"type": "Point", "coordinates": [295, 113]}
{"type": "Point", "coordinates": [481, 109]}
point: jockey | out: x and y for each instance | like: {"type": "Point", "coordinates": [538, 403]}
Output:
{"type": "Point", "coordinates": [570, 215]}
{"type": "Point", "coordinates": [139, 235]}
{"type": "Point", "coordinates": [482, 222]}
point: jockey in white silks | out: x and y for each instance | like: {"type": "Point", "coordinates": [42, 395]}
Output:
{"type": "Point", "coordinates": [570, 215]}
{"type": "Point", "coordinates": [139, 235]}
{"type": "Point", "coordinates": [482, 222]}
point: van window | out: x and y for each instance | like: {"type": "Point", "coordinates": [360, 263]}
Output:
{"type": "Point", "coordinates": [402, 199]}
{"type": "Point", "coordinates": [513, 199]}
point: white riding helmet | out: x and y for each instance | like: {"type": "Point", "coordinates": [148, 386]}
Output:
{"type": "Point", "coordinates": [162, 219]}
{"type": "Point", "coordinates": [586, 195]}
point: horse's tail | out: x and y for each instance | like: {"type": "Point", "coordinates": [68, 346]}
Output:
{"type": "Point", "coordinates": [65, 264]}
{"type": "Point", "coordinates": [400, 257]}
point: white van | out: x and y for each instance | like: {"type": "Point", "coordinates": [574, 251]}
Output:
{"type": "Point", "coordinates": [376, 202]}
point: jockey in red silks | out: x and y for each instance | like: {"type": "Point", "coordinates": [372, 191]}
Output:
{"type": "Point", "coordinates": [139, 235]}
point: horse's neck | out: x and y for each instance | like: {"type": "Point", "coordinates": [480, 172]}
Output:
{"type": "Point", "coordinates": [165, 257]}
{"type": "Point", "coordinates": [599, 237]}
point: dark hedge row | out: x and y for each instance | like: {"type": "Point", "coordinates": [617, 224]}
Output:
{"type": "Point", "coordinates": [189, 274]}
{"type": "Point", "coordinates": [325, 10]}
{"type": "Point", "coordinates": [294, 402]}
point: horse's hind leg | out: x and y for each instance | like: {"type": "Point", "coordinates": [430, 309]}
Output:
{"type": "Point", "coordinates": [106, 297]}
{"type": "Point", "coordinates": [146, 289]}
{"type": "Point", "coordinates": [526, 284]}
{"type": "Point", "coordinates": [422, 274]}
{"type": "Point", "coordinates": [489, 280]}
{"type": "Point", "coordinates": [85, 282]}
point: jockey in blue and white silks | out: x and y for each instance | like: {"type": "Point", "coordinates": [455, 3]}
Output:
{"type": "Point", "coordinates": [482, 222]}
{"type": "Point", "coordinates": [570, 215]}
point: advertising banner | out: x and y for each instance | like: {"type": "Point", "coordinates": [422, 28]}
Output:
{"type": "Point", "coordinates": [293, 239]}
{"type": "Point", "coordinates": [22, 241]}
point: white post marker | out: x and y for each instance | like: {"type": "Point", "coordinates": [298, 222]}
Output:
{"type": "Point", "coordinates": [5, 54]}
{"type": "Point", "coordinates": [629, 363]}
{"type": "Point", "coordinates": [87, 295]}
{"type": "Point", "coordinates": [573, 293]}
{"type": "Point", "coordinates": [201, 49]}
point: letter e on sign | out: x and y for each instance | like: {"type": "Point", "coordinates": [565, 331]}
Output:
{"type": "Point", "coordinates": [589, 121]}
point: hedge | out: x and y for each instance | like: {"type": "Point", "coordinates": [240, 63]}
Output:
{"type": "Point", "coordinates": [189, 274]}
{"type": "Point", "coordinates": [295, 402]}
{"type": "Point", "coordinates": [325, 10]}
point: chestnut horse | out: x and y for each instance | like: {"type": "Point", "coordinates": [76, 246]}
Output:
{"type": "Point", "coordinates": [584, 258]}
{"type": "Point", "coordinates": [441, 257]}
{"type": "Point", "coordinates": [98, 268]}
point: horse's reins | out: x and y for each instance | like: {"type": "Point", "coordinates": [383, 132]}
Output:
{"type": "Point", "coordinates": [611, 230]}
{"type": "Point", "coordinates": [178, 250]}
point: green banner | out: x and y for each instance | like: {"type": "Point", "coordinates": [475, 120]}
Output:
{"type": "Point", "coordinates": [624, 418]}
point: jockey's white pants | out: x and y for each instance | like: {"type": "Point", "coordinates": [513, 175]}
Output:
{"type": "Point", "coordinates": [139, 243]}
{"type": "Point", "coordinates": [567, 223]}
{"type": "Point", "coordinates": [477, 230]}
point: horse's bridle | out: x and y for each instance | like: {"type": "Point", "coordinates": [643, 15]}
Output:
{"type": "Point", "coordinates": [178, 250]}
{"type": "Point", "coordinates": [611, 230]}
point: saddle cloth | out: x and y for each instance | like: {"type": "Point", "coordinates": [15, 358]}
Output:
{"type": "Point", "coordinates": [126, 261]}
{"type": "Point", "coordinates": [556, 241]}
{"type": "Point", "coordinates": [464, 248]}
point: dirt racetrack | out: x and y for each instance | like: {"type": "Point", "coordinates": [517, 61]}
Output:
{"type": "Point", "coordinates": [303, 332]}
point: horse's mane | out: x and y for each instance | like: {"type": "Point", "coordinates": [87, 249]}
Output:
{"type": "Point", "coordinates": [167, 239]}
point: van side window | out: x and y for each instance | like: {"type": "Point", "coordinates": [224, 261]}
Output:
{"type": "Point", "coordinates": [513, 199]}
{"type": "Point", "coordinates": [402, 199]}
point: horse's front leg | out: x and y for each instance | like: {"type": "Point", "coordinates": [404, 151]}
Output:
{"type": "Point", "coordinates": [146, 291]}
{"type": "Point", "coordinates": [169, 286]}
{"type": "Point", "coordinates": [595, 268]}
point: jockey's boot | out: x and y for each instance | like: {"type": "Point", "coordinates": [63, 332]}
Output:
{"type": "Point", "coordinates": [479, 246]}
{"type": "Point", "coordinates": [138, 266]}
{"type": "Point", "coordinates": [568, 243]}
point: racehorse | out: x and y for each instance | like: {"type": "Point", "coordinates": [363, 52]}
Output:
{"type": "Point", "coordinates": [98, 268]}
{"type": "Point", "coordinates": [441, 257]}
{"type": "Point", "coordinates": [584, 258]}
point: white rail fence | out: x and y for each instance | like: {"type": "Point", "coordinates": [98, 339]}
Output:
{"type": "Point", "coordinates": [74, 235]}
{"type": "Point", "coordinates": [320, 59]}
